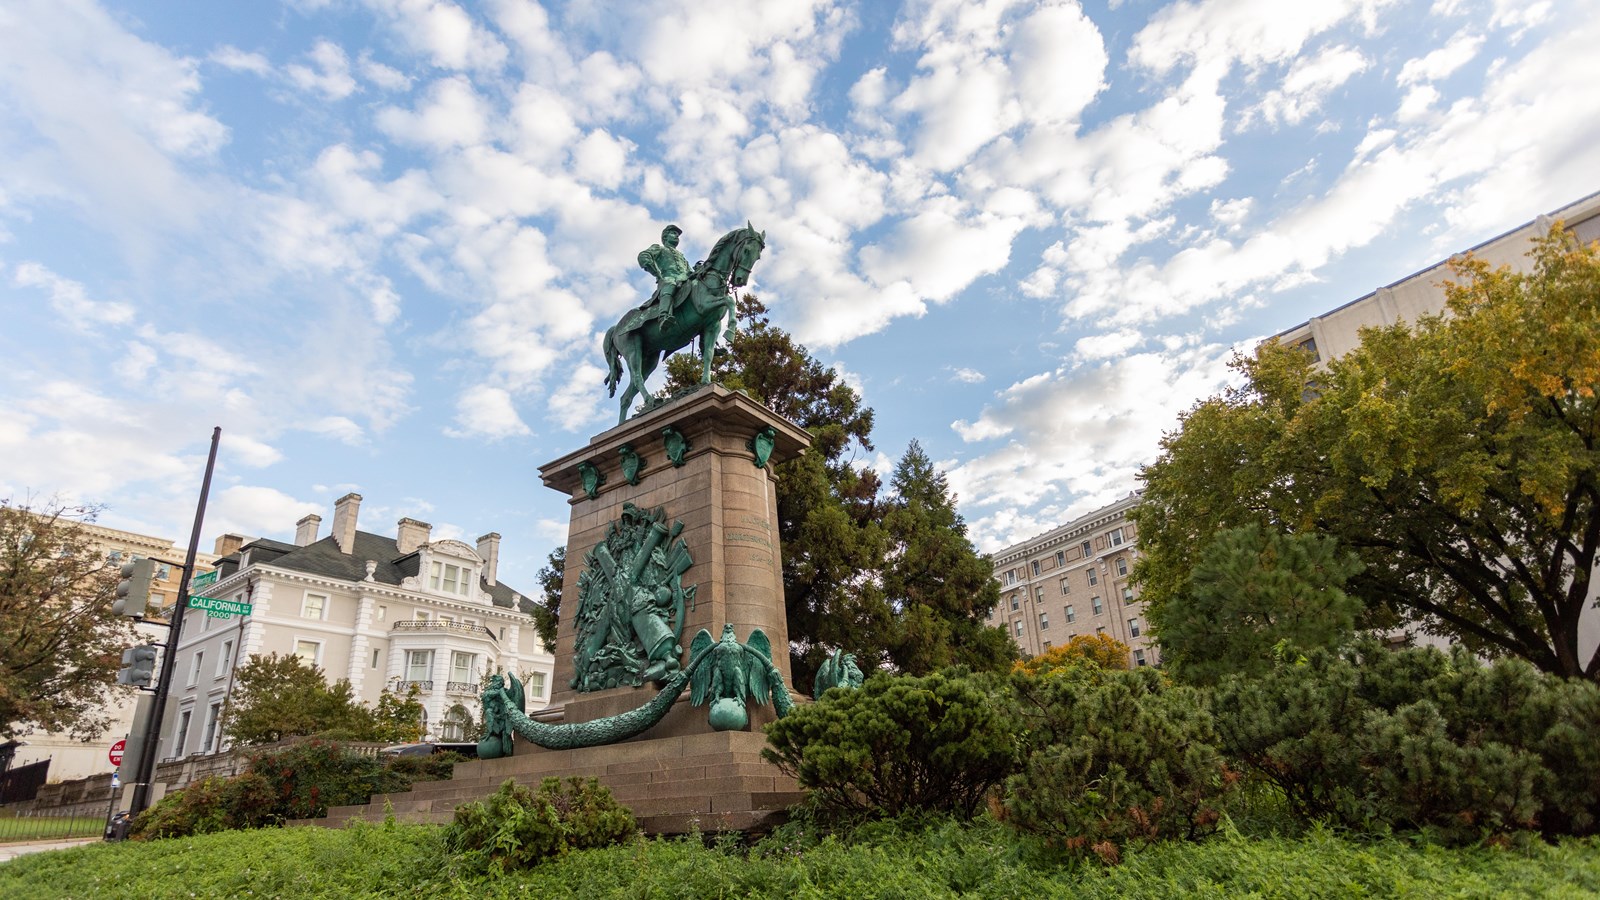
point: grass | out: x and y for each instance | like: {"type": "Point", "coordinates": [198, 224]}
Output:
{"type": "Point", "coordinates": [943, 860]}
{"type": "Point", "coordinates": [48, 828]}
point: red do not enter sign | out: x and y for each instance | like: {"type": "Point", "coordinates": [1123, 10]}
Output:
{"type": "Point", "coordinates": [116, 752]}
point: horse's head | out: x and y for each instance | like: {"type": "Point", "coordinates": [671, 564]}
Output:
{"type": "Point", "coordinates": [747, 250]}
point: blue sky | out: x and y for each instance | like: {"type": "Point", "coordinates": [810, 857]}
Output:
{"type": "Point", "coordinates": [377, 240]}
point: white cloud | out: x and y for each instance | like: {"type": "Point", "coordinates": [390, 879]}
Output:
{"type": "Point", "coordinates": [1309, 82]}
{"type": "Point", "coordinates": [339, 428]}
{"type": "Point", "coordinates": [70, 300]}
{"type": "Point", "coordinates": [385, 77]}
{"type": "Point", "coordinates": [1104, 346]}
{"type": "Point", "coordinates": [487, 412]}
{"type": "Point", "coordinates": [444, 32]}
{"type": "Point", "coordinates": [966, 375]}
{"type": "Point", "coordinates": [256, 510]}
{"type": "Point", "coordinates": [328, 74]}
{"type": "Point", "coordinates": [231, 57]}
{"type": "Point", "coordinates": [1441, 63]}
{"type": "Point", "coordinates": [451, 115]}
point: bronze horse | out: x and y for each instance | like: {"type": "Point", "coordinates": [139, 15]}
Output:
{"type": "Point", "coordinates": [702, 304]}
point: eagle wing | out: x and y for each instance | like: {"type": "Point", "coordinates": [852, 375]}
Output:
{"type": "Point", "coordinates": [515, 694]}
{"type": "Point", "coordinates": [756, 667]}
{"type": "Point", "coordinates": [700, 678]}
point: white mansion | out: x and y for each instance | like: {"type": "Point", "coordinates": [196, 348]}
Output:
{"type": "Point", "coordinates": [379, 611]}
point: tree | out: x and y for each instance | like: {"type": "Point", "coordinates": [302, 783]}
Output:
{"type": "Point", "coordinates": [60, 645]}
{"type": "Point", "coordinates": [1081, 651]}
{"type": "Point", "coordinates": [938, 586]}
{"type": "Point", "coordinates": [828, 506]}
{"type": "Point", "coordinates": [1255, 591]}
{"type": "Point", "coordinates": [547, 611]}
{"type": "Point", "coordinates": [277, 697]}
{"type": "Point", "coordinates": [1458, 457]}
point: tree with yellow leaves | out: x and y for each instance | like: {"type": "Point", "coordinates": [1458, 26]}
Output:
{"type": "Point", "coordinates": [1099, 651]}
{"type": "Point", "coordinates": [1458, 456]}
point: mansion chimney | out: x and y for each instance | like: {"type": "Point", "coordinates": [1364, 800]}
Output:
{"type": "Point", "coordinates": [344, 521]}
{"type": "Point", "coordinates": [489, 549]}
{"type": "Point", "coordinates": [305, 530]}
{"type": "Point", "coordinates": [412, 534]}
{"type": "Point", "coordinates": [229, 544]}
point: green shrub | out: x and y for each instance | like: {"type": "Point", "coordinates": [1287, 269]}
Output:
{"type": "Point", "coordinates": [901, 744]}
{"type": "Point", "coordinates": [1118, 757]}
{"type": "Point", "coordinates": [1417, 739]}
{"type": "Point", "coordinates": [516, 828]}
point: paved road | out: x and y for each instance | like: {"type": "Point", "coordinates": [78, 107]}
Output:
{"type": "Point", "coordinates": [12, 851]}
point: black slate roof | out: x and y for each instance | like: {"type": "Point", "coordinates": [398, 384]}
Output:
{"type": "Point", "coordinates": [324, 558]}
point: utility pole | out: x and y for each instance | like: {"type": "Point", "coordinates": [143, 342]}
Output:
{"type": "Point", "coordinates": [152, 738]}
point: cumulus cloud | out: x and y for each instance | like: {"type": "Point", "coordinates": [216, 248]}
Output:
{"type": "Point", "coordinates": [328, 73]}
{"type": "Point", "coordinates": [70, 300]}
{"type": "Point", "coordinates": [487, 412]}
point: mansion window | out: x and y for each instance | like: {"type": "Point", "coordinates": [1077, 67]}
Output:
{"type": "Point", "coordinates": [213, 713]}
{"type": "Point", "coordinates": [225, 661]}
{"type": "Point", "coordinates": [309, 651]}
{"type": "Point", "coordinates": [314, 606]}
{"type": "Point", "coordinates": [461, 666]}
{"type": "Point", "coordinates": [535, 684]}
{"type": "Point", "coordinates": [419, 665]}
{"type": "Point", "coordinates": [448, 578]}
{"type": "Point", "coordinates": [455, 724]}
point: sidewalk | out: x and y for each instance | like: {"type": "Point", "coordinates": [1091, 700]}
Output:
{"type": "Point", "coordinates": [21, 848]}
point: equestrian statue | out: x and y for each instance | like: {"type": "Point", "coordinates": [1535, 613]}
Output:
{"type": "Point", "coordinates": [688, 303]}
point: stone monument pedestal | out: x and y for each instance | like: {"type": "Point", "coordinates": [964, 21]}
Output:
{"type": "Point", "coordinates": [681, 774]}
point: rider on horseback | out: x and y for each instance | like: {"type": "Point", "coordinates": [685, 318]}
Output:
{"type": "Point", "coordinates": [670, 268]}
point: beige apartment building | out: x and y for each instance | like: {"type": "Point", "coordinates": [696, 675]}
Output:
{"type": "Point", "coordinates": [1338, 331]}
{"type": "Point", "coordinates": [380, 611]}
{"type": "Point", "coordinates": [71, 758]}
{"type": "Point", "coordinates": [1075, 580]}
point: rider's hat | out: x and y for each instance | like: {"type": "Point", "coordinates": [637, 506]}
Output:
{"type": "Point", "coordinates": [672, 228]}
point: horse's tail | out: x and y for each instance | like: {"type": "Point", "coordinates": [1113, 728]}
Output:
{"type": "Point", "coordinates": [608, 349]}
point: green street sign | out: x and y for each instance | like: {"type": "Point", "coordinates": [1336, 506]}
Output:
{"type": "Point", "coordinates": [219, 609]}
{"type": "Point", "coordinates": [204, 579]}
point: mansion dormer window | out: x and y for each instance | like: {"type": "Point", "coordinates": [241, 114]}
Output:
{"type": "Point", "coordinates": [447, 578]}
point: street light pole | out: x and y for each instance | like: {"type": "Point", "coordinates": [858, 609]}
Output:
{"type": "Point", "coordinates": [152, 737]}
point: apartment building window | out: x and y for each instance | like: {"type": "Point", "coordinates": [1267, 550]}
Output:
{"type": "Point", "coordinates": [1122, 565]}
{"type": "Point", "coordinates": [1038, 594]}
{"type": "Point", "coordinates": [1100, 629]}
{"type": "Point", "coordinates": [1015, 603]}
{"type": "Point", "coordinates": [1061, 558]}
{"type": "Point", "coordinates": [419, 665]}
{"type": "Point", "coordinates": [1099, 606]}
{"type": "Point", "coordinates": [1047, 645]}
{"type": "Point", "coordinates": [448, 579]}
{"type": "Point", "coordinates": [1116, 538]}
{"type": "Point", "coordinates": [195, 666]}
{"type": "Point", "coordinates": [314, 606]}
{"type": "Point", "coordinates": [1133, 627]}
{"type": "Point", "coordinates": [1087, 550]}
{"type": "Point", "coordinates": [536, 684]}
{"type": "Point", "coordinates": [1127, 595]}
{"type": "Point", "coordinates": [1094, 577]}
{"type": "Point", "coordinates": [1138, 658]}
{"type": "Point", "coordinates": [1017, 627]}
{"type": "Point", "coordinates": [213, 713]}
{"type": "Point", "coordinates": [1072, 615]}
{"type": "Point", "coordinates": [1044, 621]}
{"type": "Point", "coordinates": [1065, 587]}
{"type": "Point", "coordinates": [309, 651]}
{"type": "Point", "coordinates": [225, 661]}
{"type": "Point", "coordinates": [1011, 577]}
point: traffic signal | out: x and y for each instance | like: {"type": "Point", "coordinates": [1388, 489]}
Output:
{"type": "Point", "coordinates": [133, 591]}
{"type": "Point", "coordinates": [138, 666]}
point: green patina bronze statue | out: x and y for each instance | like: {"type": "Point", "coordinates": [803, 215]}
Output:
{"type": "Point", "coordinates": [762, 445]}
{"type": "Point", "coordinates": [592, 478]}
{"type": "Point", "coordinates": [710, 664]}
{"type": "Point", "coordinates": [632, 463]}
{"type": "Point", "coordinates": [679, 311]}
{"type": "Point", "coordinates": [730, 674]}
{"type": "Point", "coordinates": [838, 670]}
{"type": "Point", "coordinates": [631, 603]}
{"type": "Point", "coordinates": [677, 446]}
